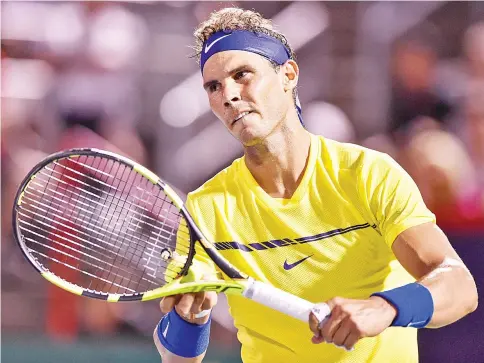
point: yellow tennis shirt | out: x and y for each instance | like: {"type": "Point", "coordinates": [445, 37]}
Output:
{"type": "Point", "coordinates": [332, 238]}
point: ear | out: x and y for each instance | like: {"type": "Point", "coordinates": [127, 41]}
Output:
{"type": "Point", "coordinates": [290, 70]}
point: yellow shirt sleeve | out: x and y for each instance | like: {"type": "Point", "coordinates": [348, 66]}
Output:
{"type": "Point", "coordinates": [391, 197]}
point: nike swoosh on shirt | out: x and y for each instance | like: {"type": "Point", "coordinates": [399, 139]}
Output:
{"type": "Point", "coordinates": [288, 266]}
{"type": "Point", "coordinates": [208, 46]}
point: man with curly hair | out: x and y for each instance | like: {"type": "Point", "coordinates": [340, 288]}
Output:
{"type": "Point", "coordinates": [332, 223]}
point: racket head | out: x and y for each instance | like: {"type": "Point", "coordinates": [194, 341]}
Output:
{"type": "Point", "coordinates": [71, 222]}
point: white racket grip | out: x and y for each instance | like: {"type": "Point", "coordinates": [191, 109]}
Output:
{"type": "Point", "coordinates": [279, 300]}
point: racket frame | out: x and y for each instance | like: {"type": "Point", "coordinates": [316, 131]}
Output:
{"type": "Point", "coordinates": [73, 288]}
{"type": "Point", "coordinates": [238, 282]}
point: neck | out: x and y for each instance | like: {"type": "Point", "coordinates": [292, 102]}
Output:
{"type": "Point", "coordinates": [278, 163]}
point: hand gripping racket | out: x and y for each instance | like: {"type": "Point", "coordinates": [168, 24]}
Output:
{"type": "Point", "coordinates": [100, 225]}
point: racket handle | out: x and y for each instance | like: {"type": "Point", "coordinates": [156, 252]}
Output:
{"type": "Point", "coordinates": [282, 301]}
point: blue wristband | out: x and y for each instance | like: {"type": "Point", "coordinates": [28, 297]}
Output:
{"type": "Point", "coordinates": [181, 337]}
{"type": "Point", "coordinates": [413, 302]}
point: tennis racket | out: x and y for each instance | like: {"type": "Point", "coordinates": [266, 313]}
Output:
{"type": "Point", "coordinates": [100, 225]}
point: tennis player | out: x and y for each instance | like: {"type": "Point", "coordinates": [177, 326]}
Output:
{"type": "Point", "coordinates": [326, 221]}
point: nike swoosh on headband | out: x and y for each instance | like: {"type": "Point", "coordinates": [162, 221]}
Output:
{"type": "Point", "coordinates": [208, 46]}
{"type": "Point", "coordinates": [288, 266]}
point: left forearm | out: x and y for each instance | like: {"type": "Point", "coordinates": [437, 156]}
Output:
{"type": "Point", "coordinates": [453, 291]}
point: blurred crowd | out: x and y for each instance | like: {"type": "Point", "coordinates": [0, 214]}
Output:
{"type": "Point", "coordinates": [436, 125]}
{"type": "Point", "coordinates": [71, 77]}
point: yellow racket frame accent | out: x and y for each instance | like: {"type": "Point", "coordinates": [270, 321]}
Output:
{"type": "Point", "coordinates": [174, 197]}
{"type": "Point", "coordinates": [178, 287]}
{"type": "Point", "coordinates": [49, 276]}
{"type": "Point", "coordinates": [23, 192]}
{"type": "Point", "coordinates": [152, 177]}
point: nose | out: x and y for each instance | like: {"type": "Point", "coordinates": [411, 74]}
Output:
{"type": "Point", "coordinates": [231, 101]}
{"type": "Point", "coordinates": [231, 94]}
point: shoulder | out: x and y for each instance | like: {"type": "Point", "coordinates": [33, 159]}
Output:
{"type": "Point", "coordinates": [347, 156]}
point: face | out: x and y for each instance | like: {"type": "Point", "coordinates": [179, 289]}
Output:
{"type": "Point", "coordinates": [248, 95]}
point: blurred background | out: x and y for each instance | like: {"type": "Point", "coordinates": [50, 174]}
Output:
{"type": "Point", "coordinates": [405, 78]}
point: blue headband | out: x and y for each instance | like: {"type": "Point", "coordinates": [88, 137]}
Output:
{"type": "Point", "coordinates": [249, 41]}
{"type": "Point", "coordinates": [259, 43]}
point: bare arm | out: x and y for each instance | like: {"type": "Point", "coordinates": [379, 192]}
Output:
{"type": "Point", "coordinates": [426, 253]}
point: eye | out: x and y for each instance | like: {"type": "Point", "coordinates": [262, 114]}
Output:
{"type": "Point", "coordinates": [240, 74]}
{"type": "Point", "coordinates": [213, 87]}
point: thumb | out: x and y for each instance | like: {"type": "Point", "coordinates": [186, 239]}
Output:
{"type": "Point", "coordinates": [168, 302]}
{"type": "Point", "coordinates": [318, 316]}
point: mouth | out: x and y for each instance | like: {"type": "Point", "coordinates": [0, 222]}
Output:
{"type": "Point", "coordinates": [240, 116]}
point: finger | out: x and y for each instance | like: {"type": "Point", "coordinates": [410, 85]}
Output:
{"type": "Point", "coordinates": [314, 324]}
{"type": "Point", "coordinates": [185, 304]}
{"type": "Point", "coordinates": [342, 332]}
{"type": "Point", "coordinates": [210, 300]}
{"type": "Point", "coordinates": [204, 301]}
{"type": "Point", "coordinates": [168, 302]}
{"type": "Point", "coordinates": [318, 316]}
{"type": "Point", "coordinates": [197, 305]}
{"type": "Point", "coordinates": [330, 327]}
{"type": "Point", "coordinates": [317, 338]}
{"type": "Point", "coordinates": [351, 340]}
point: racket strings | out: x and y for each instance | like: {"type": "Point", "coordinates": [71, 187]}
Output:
{"type": "Point", "coordinates": [129, 204]}
{"type": "Point", "coordinates": [100, 190]}
{"type": "Point", "coordinates": [57, 241]}
{"type": "Point", "coordinates": [84, 272]}
{"type": "Point", "coordinates": [72, 256]}
{"type": "Point", "coordinates": [101, 218]}
{"type": "Point", "coordinates": [80, 244]}
{"type": "Point", "coordinates": [105, 174]}
{"type": "Point", "coordinates": [93, 228]}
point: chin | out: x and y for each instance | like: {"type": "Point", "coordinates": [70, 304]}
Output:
{"type": "Point", "coordinates": [249, 143]}
{"type": "Point", "coordinates": [249, 138]}
{"type": "Point", "coordinates": [250, 132]}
